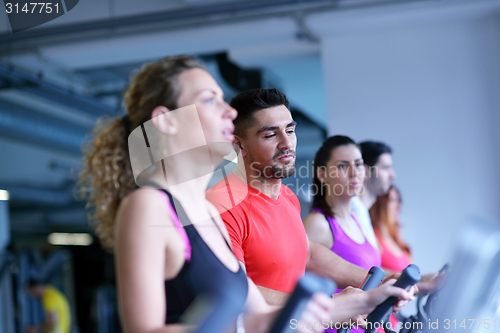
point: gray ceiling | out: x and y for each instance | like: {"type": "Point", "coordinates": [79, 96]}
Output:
{"type": "Point", "coordinates": [56, 79]}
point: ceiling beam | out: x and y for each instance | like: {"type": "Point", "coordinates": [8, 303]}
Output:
{"type": "Point", "coordinates": [175, 19]}
{"type": "Point", "coordinates": [36, 85]}
{"type": "Point", "coordinates": [26, 125]}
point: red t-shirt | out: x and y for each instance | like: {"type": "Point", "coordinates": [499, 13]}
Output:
{"type": "Point", "coordinates": [267, 235]}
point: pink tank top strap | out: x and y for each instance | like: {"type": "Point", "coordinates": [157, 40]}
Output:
{"type": "Point", "coordinates": [178, 226]}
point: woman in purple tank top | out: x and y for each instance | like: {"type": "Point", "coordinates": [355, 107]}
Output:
{"type": "Point", "coordinates": [338, 176]}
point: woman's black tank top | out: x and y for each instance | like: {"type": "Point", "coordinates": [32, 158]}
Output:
{"type": "Point", "coordinates": [204, 276]}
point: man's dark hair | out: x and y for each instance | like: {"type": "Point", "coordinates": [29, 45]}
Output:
{"type": "Point", "coordinates": [371, 151]}
{"type": "Point", "coordinates": [251, 101]}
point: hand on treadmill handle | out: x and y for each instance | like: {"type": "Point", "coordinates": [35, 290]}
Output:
{"type": "Point", "coordinates": [318, 309]}
{"type": "Point", "coordinates": [298, 302]}
{"type": "Point", "coordinates": [409, 277]}
{"type": "Point", "coordinates": [372, 280]}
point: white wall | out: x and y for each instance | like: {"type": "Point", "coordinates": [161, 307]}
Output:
{"type": "Point", "coordinates": [428, 86]}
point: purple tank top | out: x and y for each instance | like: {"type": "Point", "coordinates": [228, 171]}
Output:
{"type": "Point", "coordinates": [362, 255]}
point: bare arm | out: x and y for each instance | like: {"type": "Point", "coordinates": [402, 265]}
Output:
{"type": "Point", "coordinates": [427, 284]}
{"type": "Point", "coordinates": [144, 236]}
{"type": "Point", "coordinates": [355, 303]}
{"type": "Point", "coordinates": [324, 262]}
{"type": "Point", "coordinates": [351, 303]}
{"type": "Point", "coordinates": [261, 316]}
{"type": "Point", "coordinates": [274, 297]}
{"type": "Point", "coordinates": [318, 229]}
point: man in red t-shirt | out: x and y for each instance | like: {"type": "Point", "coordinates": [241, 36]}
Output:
{"type": "Point", "coordinates": [267, 234]}
{"type": "Point", "coordinates": [261, 214]}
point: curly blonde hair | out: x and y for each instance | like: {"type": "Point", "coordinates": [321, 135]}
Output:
{"type": "Point", "coordinates": [106, 177]}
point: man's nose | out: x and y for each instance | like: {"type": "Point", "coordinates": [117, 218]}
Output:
{"type": "Point", "coordinates": [286, 142]}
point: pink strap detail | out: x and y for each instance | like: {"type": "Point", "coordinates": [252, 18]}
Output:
{"type": "Point", "coordinates": [178, 226]}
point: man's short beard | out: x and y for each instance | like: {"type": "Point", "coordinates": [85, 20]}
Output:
{"type": "Point", "coordinates": [274, 171]}
{"type": "Point", "coordinates": [279, 172]}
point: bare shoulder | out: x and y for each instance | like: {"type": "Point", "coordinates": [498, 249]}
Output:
{"type": "Point", "coordinates": [318, 229]}
{"type": "Point", "coordinates": [143, 212]}
{"type": "Point", "coordinates": [146, 252]}
{"type": "Point", "coordinates": [316, 220]}
{"type": "Point", "coordinates": [142, 197]}
{"type": "Point", "coordinates": [143, 200]}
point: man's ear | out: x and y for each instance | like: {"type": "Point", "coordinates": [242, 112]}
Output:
{"type": "Point", "coordinates": [239, 146]}
{"type": "Point", "coordinates": [164, 120]}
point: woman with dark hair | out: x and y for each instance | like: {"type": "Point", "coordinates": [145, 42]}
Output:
{"type": "Point", "coordinates": [338, 176]}
{"type": "Point", "coordinates": [384, 214]}
{"type": "Point", "coordinates": [170, 244]}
